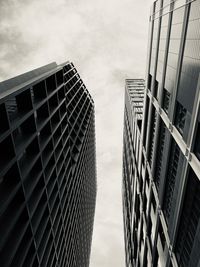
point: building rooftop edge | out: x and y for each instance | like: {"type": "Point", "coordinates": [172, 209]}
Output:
{"type": "Point", "coordinates": [11, 85]}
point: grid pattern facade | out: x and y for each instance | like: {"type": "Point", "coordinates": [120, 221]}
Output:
{"type": "Point", "coordinates": [47, 169]}
{"type": "Point", "coordinates": [134, 95]}
{"type": "Point", "coordinates": [166, 198]}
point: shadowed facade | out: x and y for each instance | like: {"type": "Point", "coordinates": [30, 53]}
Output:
{"type": "Point", "coordinates": [47, 168]}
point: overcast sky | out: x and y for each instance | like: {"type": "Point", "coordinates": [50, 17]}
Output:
{"type": "Point", "coordinates": [107, 41]}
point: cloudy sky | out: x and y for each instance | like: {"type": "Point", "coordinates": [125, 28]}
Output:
{"type": "Point", "coordinates": [107, 41]}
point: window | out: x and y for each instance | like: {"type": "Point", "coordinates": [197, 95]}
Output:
{"type": "Point", "coordinates": [51, 83]}
{"type": "Point", "coordinates": [170, 179]}
{"type": "Point", "coordinates": [145, 203]}
{"type": "Point", "coordinates": [3, 119]}
{"type": "Point", "coordinates": [162, 236]}
{"type": "Point", "coordinates": [156, 89]}
{"type": "Point", "coordinates": [145, 120]}
{"type": "Point", "coordinates": [139, 123]}
{"type": "Point", "coordinates": [149, 227]}
{"type": "Point", "coordinates": [153, 201]}
{"type": "Point", "coordinates": [152, 134]}
{"type": "Point", "coordinates": [137, 205]}
{"type": "Point", "coordinates": [149, 82]}
{"type": "Point", "coordinates": [188, 224]}
{"type": "Point", "coordinates": [197, 142]}
{"type": "Point", "coordinates": [180, 117]}
{"type": "Point", "coordinates": [7, 151]}
{"type": "Point", "coordinates": [155, 262]}
{"type": "Point", "coordinates": [160, 149]}
{"type": "Point", "coordinates": [135, 245]}
{"type": "Point", "coordinates": [147, 178]}
{"type": "Point", "coordinates": [166, 99]}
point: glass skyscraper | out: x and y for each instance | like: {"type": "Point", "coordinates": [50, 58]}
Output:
{"type": "Point", "coordinates": [47, 169]}
{"type": "Point", "coordinates": [161, 182]}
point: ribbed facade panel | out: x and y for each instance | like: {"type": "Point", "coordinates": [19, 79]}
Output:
{"type": "Point", "coordinates": [47, 169]}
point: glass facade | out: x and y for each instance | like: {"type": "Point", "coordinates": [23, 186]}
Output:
{"type": "Point", "coordinates": [47, 169]}
{"type": "Point", "coordinates": [166, 173]}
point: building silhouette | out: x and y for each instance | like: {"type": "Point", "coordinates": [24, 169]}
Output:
{"type": "Point", "coordinates": [161, 187]}
{"type": "Point", "coordinates": [47, 169]}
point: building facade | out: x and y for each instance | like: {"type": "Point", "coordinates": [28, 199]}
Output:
{"type": "Point", "coordinates": [166, 198]}
{"type": "Point", "coordinates": [47, 169]}
{"type": "Point", "coordinates": [134, 97]}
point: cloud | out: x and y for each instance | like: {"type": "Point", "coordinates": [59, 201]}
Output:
{"type": "Point", "coordinates": [107, 42]}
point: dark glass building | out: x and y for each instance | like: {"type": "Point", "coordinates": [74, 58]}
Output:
{"type": "Point", "coordinates": [47, 169]}
{"type": "Point", "coordinates": [162, 203]}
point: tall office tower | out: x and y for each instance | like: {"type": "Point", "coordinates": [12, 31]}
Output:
{"type": "Point", "coordinates": [47, 169]}
{"type": "Point", "coordinates": [166, 198]}
{"type": "Point", "coordinates": [134, 96]}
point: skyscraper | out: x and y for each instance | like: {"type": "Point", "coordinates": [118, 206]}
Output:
{"type": "Point", "coordinates": [47, 169]}
{"type": "Point", "coordinates": [134, 96]}
{"type": "Point", "coordinates": [165, 207]}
